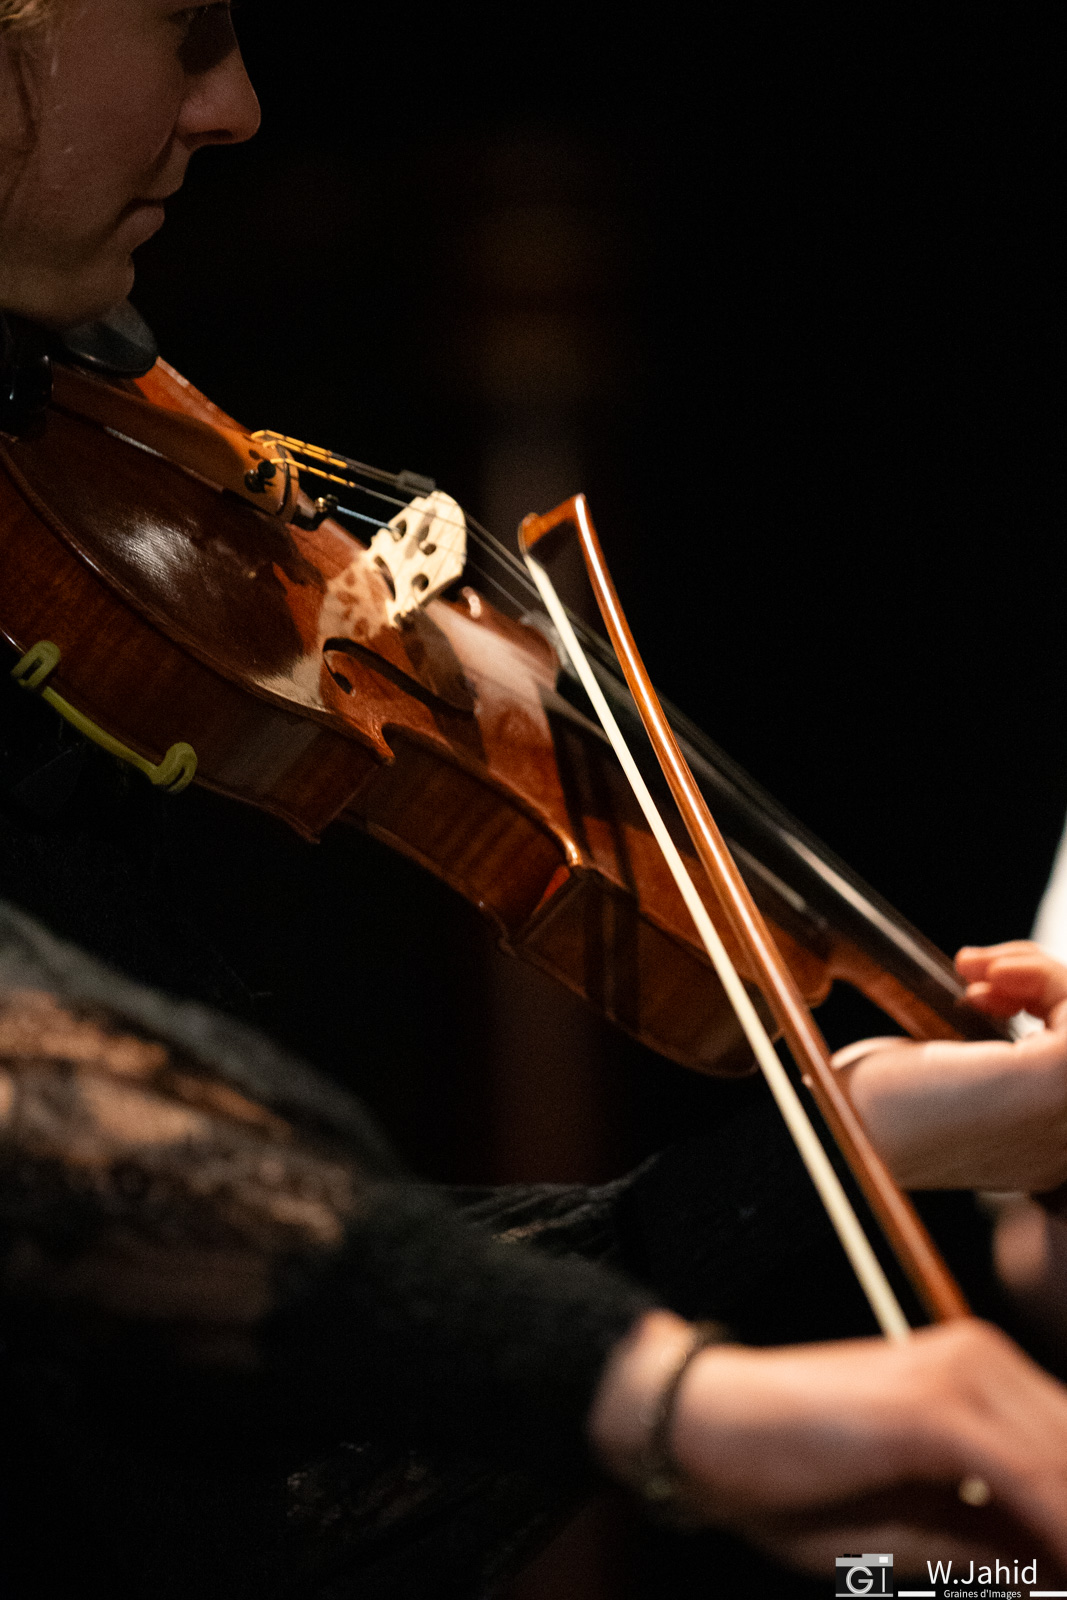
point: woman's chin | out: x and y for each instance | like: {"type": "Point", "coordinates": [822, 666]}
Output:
{"type": "Point", "coordinates": [69, 303]}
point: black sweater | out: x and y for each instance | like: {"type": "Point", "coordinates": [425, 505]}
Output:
{"type": "Point", "coordinates": [246, 1353]}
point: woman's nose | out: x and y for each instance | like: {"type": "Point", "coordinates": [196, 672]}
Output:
{"type": "Point", "coordinates": [220, 107]}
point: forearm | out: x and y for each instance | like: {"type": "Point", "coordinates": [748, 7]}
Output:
{"type": "Point", "coordinates": [989, 1115]}
{"type": "Point", "coordinates": [967, 1116]}
{"type": "Point", "coordinates": [448, 1334]}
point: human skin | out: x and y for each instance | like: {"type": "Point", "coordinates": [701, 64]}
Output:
{"type": "Point", "coordinates": [987, 1115]}
{"type": "Point", "coordinates": [813, 1451]}
{"type": "Point", "coordinates": [991, 1116]}
{"type": "Point", "coordinates": [122, 93]}
{"type": "Point", "coordinates": [126, 91]}
{"type": "Point", "coordinates": [810, 1452]}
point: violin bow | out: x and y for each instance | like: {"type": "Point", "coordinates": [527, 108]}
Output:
{"type": "Point", "coordinates": [913, 1247]}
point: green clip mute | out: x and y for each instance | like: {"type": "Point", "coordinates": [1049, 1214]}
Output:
{"type": "Point", "coordinates": [174, 773]}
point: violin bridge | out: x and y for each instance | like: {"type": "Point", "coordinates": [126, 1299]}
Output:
{"type": "Point", "coordinates": [420, 552]}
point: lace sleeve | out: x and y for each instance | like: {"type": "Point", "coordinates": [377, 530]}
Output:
{"type": "Point", "coordinates": [173, 1187]}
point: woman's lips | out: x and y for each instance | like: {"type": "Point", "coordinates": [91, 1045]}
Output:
{"type": "Point", "coordinates": [151, 202]}
{"type": "Point", "coordinates": [142, 217]}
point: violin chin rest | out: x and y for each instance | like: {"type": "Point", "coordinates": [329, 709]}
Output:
{"type": "Point", "coordinates": [118, 345]}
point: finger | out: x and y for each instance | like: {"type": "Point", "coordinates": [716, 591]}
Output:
{"type": "Point", "coordinates": [973, 959]}
{"type": "Point", "coordinates": [1030, 979]}
{"type": "Point", "coordinates": [1037, 1501]}
{"type": "Point", "coordinates": [815, 1551]}
{"type": "Point", "coordinates": [1004, 1000]}
{"type": "Point", "coordinates": [1046, 976]}
{"type": "Point", "coordinates": [1007, 947]}
{"type": "Point", "coordinates": [917, 1521]}
{"type": "Point", "coordinates": [983, 997]}
{"type": "Point", "coordinates": [992, 963]}
{"type": "Point", "coordinates": [1011, 1432]}
{"type": "Point", "coordinates": [1024, 1467]}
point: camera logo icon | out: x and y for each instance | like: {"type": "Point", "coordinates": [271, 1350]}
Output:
{"type": "Point", "coordinates": [864, 1575]}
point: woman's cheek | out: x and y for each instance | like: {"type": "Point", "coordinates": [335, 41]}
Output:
{"type": "Point", "coordinates": [143, 110]}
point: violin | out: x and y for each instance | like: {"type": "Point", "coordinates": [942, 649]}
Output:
{"type": "Point", "coordinates": [180, 589]}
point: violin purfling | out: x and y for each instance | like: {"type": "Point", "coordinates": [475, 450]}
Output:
{"type": "Point", "coordinates": [197, 599]}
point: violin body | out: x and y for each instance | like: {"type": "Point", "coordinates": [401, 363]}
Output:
{"type": "Point", "coordinates": [184, 613]}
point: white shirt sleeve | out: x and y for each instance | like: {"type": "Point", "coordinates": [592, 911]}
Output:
{"type": "Point", "coordinates": [1050, 925]}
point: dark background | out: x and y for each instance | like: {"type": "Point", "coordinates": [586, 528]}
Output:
{"type": "Point", "coordinates": [781, 290]}
{"type": "Point", "coordinates": [811, 271]}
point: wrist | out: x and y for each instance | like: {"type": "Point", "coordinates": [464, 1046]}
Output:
{"type": "Point", "coordinates": [634, 1415]}
{"type": "Point", "coordinates": [626, 1402]}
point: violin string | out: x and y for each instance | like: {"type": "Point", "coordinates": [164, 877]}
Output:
{"type": "Point", "coordinates": [496, 547]}
{"type": "Point", "coordinates": [350, 483]}
{"type": "Point", "coordinates": [301, 447]}
{"type": "Point", "coordinates": [522, 590]}
{"type": "Point", "coordinates": [357, 468]}
{"type": "Point", "coordinates": [493, 583]}
{"type": "Point", "coordinates": [480, 535]}
{"type": "Point", "coordinates": [858, 1249]}
{"type": "Point", "coordinates": [834, 874]}
{"type": "Point", "coordinates": [361, 516]}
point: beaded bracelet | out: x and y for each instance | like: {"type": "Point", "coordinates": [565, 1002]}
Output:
{"type": "Point", "coordinates": [657, 1477]}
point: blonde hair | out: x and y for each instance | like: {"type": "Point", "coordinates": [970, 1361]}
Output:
{"type": "Point", "coordinates": [23, 33]}
{"type": "Point", "coordinates": [20, 15]}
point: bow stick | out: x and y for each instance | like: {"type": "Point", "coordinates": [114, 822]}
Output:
{"type": "Point", "coordinates": [912, 1245]}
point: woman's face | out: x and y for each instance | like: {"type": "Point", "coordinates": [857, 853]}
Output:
{"type": "Point", "coordinates": [123, 92]}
